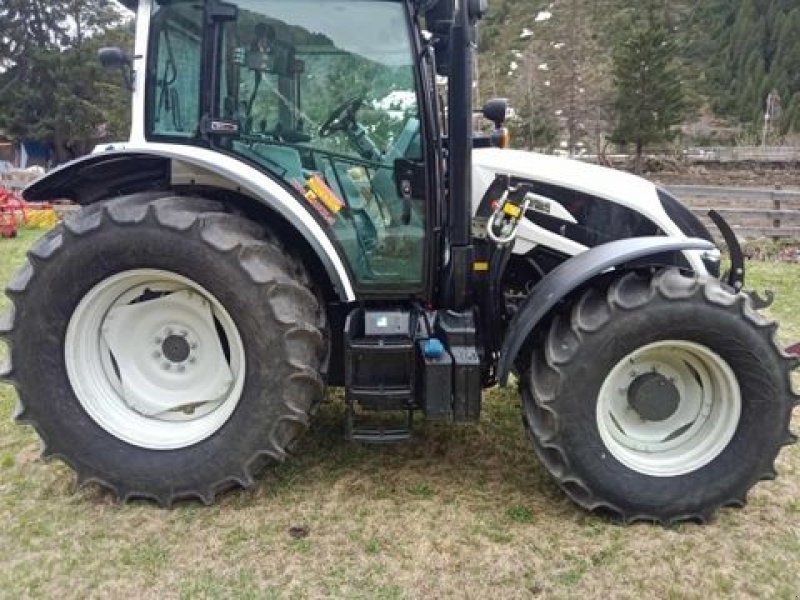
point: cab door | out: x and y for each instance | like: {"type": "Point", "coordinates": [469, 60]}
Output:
{"type": "Point", "coordinates": [323, 95]}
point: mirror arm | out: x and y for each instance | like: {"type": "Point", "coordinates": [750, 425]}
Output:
{"type": "Point", "coordinates": [129, 73]}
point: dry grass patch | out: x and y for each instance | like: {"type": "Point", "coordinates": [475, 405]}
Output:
{"type": "Point", "coordinates": [460, 512]}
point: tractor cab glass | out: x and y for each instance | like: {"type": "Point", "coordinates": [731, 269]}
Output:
{"type": "Point", "coordinates": [321, 94]}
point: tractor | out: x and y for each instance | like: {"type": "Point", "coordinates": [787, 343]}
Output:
{"type": "Point", "coordinates": [299, 206]}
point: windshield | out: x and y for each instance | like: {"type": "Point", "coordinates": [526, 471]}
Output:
{"type": "Point", "coordinates": [334, 75]}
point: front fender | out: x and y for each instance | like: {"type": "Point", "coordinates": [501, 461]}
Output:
{"type": "Point", "coordinates": [572, 274]}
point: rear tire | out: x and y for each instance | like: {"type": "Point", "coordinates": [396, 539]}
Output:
{"type": "Point", "coordinates": [697, 426]}
{"type": "Point", "coordinates": [212, 372]}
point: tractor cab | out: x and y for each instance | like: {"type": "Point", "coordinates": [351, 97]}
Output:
{"type": "Point", "coordinates": [324, 97]}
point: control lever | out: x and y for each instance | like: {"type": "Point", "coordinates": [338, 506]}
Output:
{"type": "Point", "coordinates": [409, 177]}
{"type": "Point", "coordinates": [405, 193]}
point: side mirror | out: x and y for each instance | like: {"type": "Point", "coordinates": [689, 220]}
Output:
{"type": "Point", "coordinates": [117, 58]}
{"type": "Point", "coordinates": [114, 58]}
{"type": "Point", "coordinates": [496, 111]}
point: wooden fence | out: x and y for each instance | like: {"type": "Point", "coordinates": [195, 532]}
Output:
{"type": "Point", "coordinates": [724, 154]}
{"type": "Point", "coordinates": [752, 213]}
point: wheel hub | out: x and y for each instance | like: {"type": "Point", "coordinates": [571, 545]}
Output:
{"type": "Point", "coordinates": [668, 408]}
{"type": "Point", "coordinates": [181, 326]}
{"type": "Point", "coordinates": [176, 349]}
{"type": "Point", "coordinates": [653, 397]}
{"type": "Point", "coordinates": [155, 359]}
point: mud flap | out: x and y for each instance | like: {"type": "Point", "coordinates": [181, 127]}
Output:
{"type": "Point", "coordinates": [735, 277]}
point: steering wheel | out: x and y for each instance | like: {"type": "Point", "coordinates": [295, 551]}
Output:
{"type": "Point", "coordinates": [341, 116]}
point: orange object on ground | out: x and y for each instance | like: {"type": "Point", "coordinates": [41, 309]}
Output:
{"type": "Point", "coordinates": [8, 224]}
{"type": "Point", "coordinates": [10, 205]}
{"type": "Point", "coordinates": [15, 212]}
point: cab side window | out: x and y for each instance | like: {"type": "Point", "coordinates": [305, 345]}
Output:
{"type": "Point", "coordinates": [175, 68]}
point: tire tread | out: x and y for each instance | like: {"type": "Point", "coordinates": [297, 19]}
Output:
{"type": "Point", "coordinates": [266, 263]}
{"type": "Point", "coordinates": [593, 311]}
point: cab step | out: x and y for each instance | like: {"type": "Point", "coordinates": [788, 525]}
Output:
{"type": "Point", "coordinates": [377, 434]}
{"type": "Point", "coordinates": [380, 361]}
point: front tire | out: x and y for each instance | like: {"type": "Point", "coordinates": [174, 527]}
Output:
{"type": "Point", "coordinates": [164, 348]}
{"type": "Point", "coordinates": [659, 399]}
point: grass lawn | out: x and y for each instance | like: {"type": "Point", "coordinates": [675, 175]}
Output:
{"type": "Point", "coordinates": [460, 512]}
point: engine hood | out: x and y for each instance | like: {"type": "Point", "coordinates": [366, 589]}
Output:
{"type": "Point", "coordinates": [618, 187]}
{"type": "Point", "coordinates": [603, 182]}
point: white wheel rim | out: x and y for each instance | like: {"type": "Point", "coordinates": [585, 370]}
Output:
{"type": "Point", "coordinates": [145, 354]}
{"type": "Point", "coordinates": [707, 409]}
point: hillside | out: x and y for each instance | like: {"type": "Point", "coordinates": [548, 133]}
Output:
{"type": "Point", "coordinates": [553, 60]}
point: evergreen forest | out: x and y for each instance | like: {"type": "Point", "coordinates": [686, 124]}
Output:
{"type": "Point", "coordinates": [581, 75]}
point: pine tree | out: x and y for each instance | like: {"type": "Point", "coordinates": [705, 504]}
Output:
{"type": "Point", "coordinates": [52, 88]}
{"type": "Point", "coordinates": [749, 47]}
{"type": "Point", "coordinates": [649, 99]}
{"type": "Point", "coordinates": [29, 25]}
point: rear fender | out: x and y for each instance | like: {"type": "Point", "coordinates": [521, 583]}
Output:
{"type": "Point", "coordinates": [98, 176]}
{"type": "Point", "coordinates": [572, 274]}
{"type": "Point", "coordinates": [135, 168]}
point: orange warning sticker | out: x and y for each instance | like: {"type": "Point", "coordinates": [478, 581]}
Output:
{"type": "Point", "coordinates": [314, 201]}
{"type": "Point", "coordinates": [325, 194]}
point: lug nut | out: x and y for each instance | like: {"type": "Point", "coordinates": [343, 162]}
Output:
{"type": "Point", "coordinates": [156, 355]}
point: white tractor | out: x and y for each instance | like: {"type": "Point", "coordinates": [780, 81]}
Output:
{"type": "Point", "coordinates": [296, 209]}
